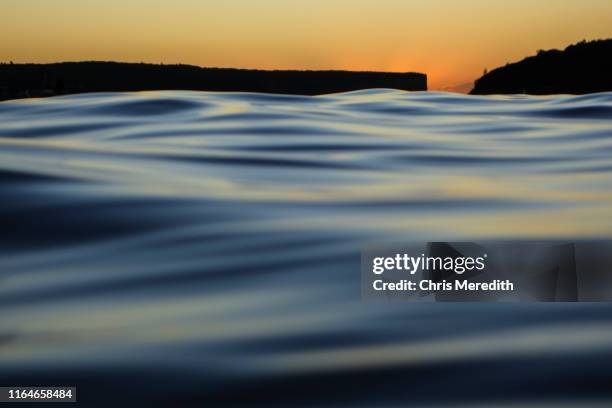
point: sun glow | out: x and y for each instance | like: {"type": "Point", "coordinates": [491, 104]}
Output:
{"type": "Point", "coordinates": [451, 41]}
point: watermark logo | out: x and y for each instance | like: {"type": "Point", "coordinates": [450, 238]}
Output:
{"type": "Point", "coordinates": [411, 264]}
{"type": "Point", "coordinates": [487, 271]}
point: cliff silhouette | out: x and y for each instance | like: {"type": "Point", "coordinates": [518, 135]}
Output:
{"type": "Point", "coordinates": [28, 80]}
{"type": "Point", "coordinates": [582, 68]}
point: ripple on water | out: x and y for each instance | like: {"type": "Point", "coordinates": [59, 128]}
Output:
{"type": "Point", "coordinates": [210, 242]}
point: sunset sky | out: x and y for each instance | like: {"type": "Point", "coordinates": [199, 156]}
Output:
{"type": "Point", "coordinates": [450, 40]}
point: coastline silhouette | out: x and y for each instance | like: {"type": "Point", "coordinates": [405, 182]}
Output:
{"type": "Point", "coordinates": [581, 68]}
{"type": "Point", "coordinates": [28, 80]}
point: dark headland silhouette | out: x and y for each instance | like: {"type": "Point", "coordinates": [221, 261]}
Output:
{"type": "Point", "coordinates": [582, 68]}
{"type": "Point", "coordinates": [29, 80]}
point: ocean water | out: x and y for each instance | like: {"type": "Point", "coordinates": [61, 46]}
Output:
{"type": "Point", "coordinates": [202, 249]}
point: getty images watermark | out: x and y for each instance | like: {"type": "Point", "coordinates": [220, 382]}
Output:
{"type": "Point", "coordinates": [457, 265]}
{"type": "Point", "coordinates": [488, 271]}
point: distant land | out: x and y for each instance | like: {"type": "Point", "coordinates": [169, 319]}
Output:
{"type": "Point", "coordinates": [582, 68]}
{"type": "Point", "coordinates": [34, 80]}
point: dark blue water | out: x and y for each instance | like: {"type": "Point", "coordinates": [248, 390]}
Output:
{"type": "Point", "coordinates": [202, 249]}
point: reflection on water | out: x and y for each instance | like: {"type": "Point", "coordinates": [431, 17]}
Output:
{"type": "Point", "coordinates": [205, 247]}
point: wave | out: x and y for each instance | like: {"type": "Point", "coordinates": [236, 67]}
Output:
{"type": "Point", "coordinates": [210, 242]}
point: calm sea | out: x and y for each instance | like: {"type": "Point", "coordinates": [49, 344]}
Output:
{"type": "Point", "coordinates": [203, 249]}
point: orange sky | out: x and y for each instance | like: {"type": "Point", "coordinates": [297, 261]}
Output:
{"type": "Point", "coordinates": [450, 40]}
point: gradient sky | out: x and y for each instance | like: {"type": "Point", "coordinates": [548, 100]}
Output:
{"type": "Point", "coordinates": [450, 40]}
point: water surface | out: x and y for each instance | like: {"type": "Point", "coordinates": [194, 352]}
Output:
{"type": "Point", "coordinates": [181, 247]}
